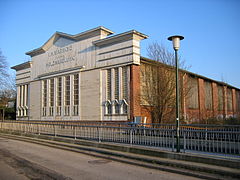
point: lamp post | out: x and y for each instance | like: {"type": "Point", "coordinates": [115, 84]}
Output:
{"type": "Point", "coordinates": [176, 45]}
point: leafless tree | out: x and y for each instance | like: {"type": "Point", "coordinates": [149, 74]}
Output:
{"type": "Point", "coordinates": [160, 53]}
{"type": "Point", "coordinates": [7, 82]}
{"type": "Point", "coordinates": [3, 69]}
{"type": "Point", "coordinates": [158, 84]}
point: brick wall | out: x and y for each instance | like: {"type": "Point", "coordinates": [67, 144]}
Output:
{"type": "Point", "coordinates": [200, 114]}
{"type": "Point", "coordinates": [135, 108]}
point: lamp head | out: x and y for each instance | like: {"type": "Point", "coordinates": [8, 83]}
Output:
{"type": "Point", "coordinates": [176, 41]}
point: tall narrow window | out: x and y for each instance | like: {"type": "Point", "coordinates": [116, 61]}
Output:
{"type": "Point", "coordinates": [238, 100]}
{"type": "Point", "coordinates": [116, 91]}
{"type": "Point", "coordinates": [220, 98]}
{"type": "Point", "coordinates": [208, 95]}
{"type": "Point", "coordinates": [108, 108]}
{"type": "Point", "coordinates": [51, 97]}
{"type": "Point", "coordinates": [67, 96]}
{"type": "Point", "coordinates": [125, 83]}
{"type": "Point", "coordinates": [44, 98]}
{"type": "Point", "coordinates": [25, 100]}
{"type": "Point", "coordinates": [21, 99]}
{"type": "Point", "coordinates": [22, 102]}
{"type": "Point", "coordinates": [59, 96]}
{"type": "Point", "coordinates": [109, 84]}
{"type": "Point", "coordinates": [193, 93]}
{"type": "Point", "coordinates": [116, 94]}
{"type": "Point", "coordinates": [229, 100]}
{"type": "Point", "coordinates": [23, 96]}
{"type": "Point", "coordinates": [20, 95]}
{"type": "Point", "coordinates": [124, 104]}
{"type": "Point", "coordinates": [75, 94]}
{"type": "Point", "coordinates": [26, 94]}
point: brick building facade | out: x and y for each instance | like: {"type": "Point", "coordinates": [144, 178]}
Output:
{"type": "Point", "coordinates": [213, 99]}
{"type": "Point", "coordinates": [96, 76]}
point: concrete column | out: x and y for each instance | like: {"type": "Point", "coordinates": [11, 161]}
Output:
{"type": "Point", "coordinates": [112, 89]}
{"type": "Point", "coordinates": [25, 99]}
{"type": "Point", "coordinates": [112, 84]}
{"type": "Point", "coordinates": [25, 95]}
{"type": "Point", "coordinates": [71, 96]}
{"type": "Point", "coordinates": [48, 95]}
{"type": "Point", "coordinates": [63, 97]}
{"type": "Point", "coordinates": [55, 97]}
{"type": "Point", "coordinates": [22, 100]}
{"type": "Point", "coordinates": [79, 94]}
{"type": "Point", "coordinates": [120, 88]}
{"type": "Point", "coordinates": [120, 83]}
{"type": "Point", "coordinates": [22, 95]}
{"type": "Point", "coordinates": [18, 99]}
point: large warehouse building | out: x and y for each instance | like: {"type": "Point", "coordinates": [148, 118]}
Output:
{"type": "Point", "coordinates": [96, 76]}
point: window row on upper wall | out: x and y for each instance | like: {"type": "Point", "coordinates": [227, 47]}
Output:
{"type": "Point", "coordinates": [193, 95]}
{"type": "Point", "coordinates": [60, 96]}
{"type": "Point", "coordinates": [22, 100]}
{"type": "Point", "coordinates": [117, 90]}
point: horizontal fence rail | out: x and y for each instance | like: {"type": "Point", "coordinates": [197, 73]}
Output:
{"type": "Point", "coordinates": [207, 138]}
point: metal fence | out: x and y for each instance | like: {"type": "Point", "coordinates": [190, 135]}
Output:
{"type": "Point", "coordinates": [207, 138]}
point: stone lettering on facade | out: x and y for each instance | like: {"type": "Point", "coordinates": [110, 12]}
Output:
{"type": "Point", "coordinates": [60, 51]}
{"type": "Point", "coordinates": [60, 56]}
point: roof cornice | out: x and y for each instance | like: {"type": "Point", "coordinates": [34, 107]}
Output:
{"type": "Point", "coordinates": [89, 33]}
{"type": "Point", "coordinates": [22, 66]}
{"type": "Point", "coordinates": [133, 34]}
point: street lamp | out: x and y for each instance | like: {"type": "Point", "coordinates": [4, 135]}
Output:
{"type": "Point", "coordinates": [176, 45]}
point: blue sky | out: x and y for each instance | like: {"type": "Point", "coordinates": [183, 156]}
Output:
{"type": "Point", "coordinates": [210, 28]}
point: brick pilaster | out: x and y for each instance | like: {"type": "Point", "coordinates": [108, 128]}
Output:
{"type": "Point", "coordinates": [234, 101]}
{"type": "Point", "coordinates": [135, 108]}
{"type": "Point", "coordinates": [215, 99]}
{"type": "Point", "coordinates": [201, 98]}
{"type": "Point", "coordinates": [224, 101]}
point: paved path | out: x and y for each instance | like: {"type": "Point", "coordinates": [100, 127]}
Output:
{"type": "Point", "coordinates": [9, 173]}
{"type": "Point", "coordinates": [71, 165]}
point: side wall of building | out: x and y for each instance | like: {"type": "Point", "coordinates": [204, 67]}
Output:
{"type": "Point", "coordinates": [204, 99]}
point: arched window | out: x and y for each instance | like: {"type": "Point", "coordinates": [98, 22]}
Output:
{"type": "Point", "coordinates": [108, 107]}
{"type": "Point", "coordinates": [116, 106]}
{"type": "Point", "coordinates": [124, 106]}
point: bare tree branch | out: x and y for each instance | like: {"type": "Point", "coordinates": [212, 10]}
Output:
{"type": "Point", "coordinates": [7, 82]}
{"type": "Point", "coordinates": [3, 69]}
{"type": "Point", "coordinates": [158, 84]}
{"type": "Point", "coordinates": [160, 53]}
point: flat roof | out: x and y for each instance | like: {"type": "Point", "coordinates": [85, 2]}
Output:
{"type": "Point", "coordinates": [188, 72]}
{"type": "Point", "coordinates": [119, 37]}
{"type": "Point", "coordinates": [24, 65]}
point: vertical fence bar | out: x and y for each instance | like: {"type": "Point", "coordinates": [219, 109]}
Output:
{"type": "Point", "coordinates": [131, 140]}
{"type": "Point", "coordinates": [75, 132]}
{"type": "Point", "coordinates": [184, 141]}
{"type": "Point", "coordinates": [55, 134]}
{"type": "Point", "coordinates": [99, 134]}
{"type": "Point", "coordinates": [173, 132]}
{"type": "Point", "coordinates": [216, 139]}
